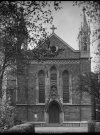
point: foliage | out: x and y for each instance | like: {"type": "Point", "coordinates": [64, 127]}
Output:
{"type": "Point", "coordinates": [92, 7]}
{"type": "Point", "coordinates": [43, 52]}
{"type": "Point", "coordinates": [7, 116]}
{"type": "Point", "coordinates": [21, 23]}
{"type": "Point", "coordinates": [17, 20]}
{"type": "Point", "coordinates": [88, 82]}
{"type": "Point", "coordinates": [38, 15]}
{"type": "Point", "coordinates": [12, 34]}
{"type": "Point", "coordinates": [23, 128]}
{"type": "Point", "coordinates": [93, 13]}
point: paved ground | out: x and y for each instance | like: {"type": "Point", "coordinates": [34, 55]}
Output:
{"type": "Point", "coordinates": [60, 129]}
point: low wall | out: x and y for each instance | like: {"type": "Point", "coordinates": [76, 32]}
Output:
{"type": "Point", "coordinates": [65, 124]}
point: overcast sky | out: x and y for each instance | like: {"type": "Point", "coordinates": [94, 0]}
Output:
{"type": "Point", "coordinates": [68, 21]}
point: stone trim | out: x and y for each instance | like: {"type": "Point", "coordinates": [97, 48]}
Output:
{"type": "Point", "coordinates": [76, 122]}
{"type": "Point", "coordinates": [63, 104]}
{"type": "Point", "coordinates": [30, 104]}
{"type": "Point", "coordinates": [40, 104]}
{"type": "Point", "coordinates": [76, 104]}
{"type": "Point", "coordinates": [56, 62]}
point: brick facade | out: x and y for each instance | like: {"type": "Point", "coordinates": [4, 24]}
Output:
{"type": "Point", "coordinates": [27, 91]}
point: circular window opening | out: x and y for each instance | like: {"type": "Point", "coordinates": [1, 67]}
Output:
{"type": "Point", "coordinates": [53, 49]}
{"type": "Point", "coordinates": [53, 87]}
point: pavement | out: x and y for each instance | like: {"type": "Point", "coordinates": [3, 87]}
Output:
{"type": "Point", "coordinates": [60, 129]}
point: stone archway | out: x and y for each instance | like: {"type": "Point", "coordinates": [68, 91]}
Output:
{"type": "Point", "coordinates": [54, 112]}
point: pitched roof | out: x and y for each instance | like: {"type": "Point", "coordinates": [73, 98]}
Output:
{"type": "Point", "coordinates": [64, 43]}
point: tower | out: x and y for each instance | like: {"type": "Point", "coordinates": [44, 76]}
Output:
{"type": "Point", "coordinates": [84, 38]}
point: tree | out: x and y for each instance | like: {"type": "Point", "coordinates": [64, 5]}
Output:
{"type": "Point", "coordinates": [93, 14]}
{"type": "Point", "coordinates": [89, 83]}
{"type": "Point", "coordinates": [21, 24]}
{"type": "Point", "coordinates": [12, 35]}
{"type": "Point", "coordinates": [90, 79]}
{"type": "Point", "coordinates": [16, 24]}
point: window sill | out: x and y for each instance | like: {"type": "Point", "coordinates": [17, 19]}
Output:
{"type": "Point", "coordinates": [40, 103]}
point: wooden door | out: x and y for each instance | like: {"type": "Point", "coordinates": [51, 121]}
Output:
{"type": "Point", "coordinates": [53, 113]}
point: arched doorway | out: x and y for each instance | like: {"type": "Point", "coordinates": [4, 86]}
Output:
{"type": "Point", "coordinates": [54, 112]}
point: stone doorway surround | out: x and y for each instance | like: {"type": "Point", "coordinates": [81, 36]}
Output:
{"type": "Point", "coordinates": [53, 112]}
{"type": "Point", "coordinates": [55, 103]}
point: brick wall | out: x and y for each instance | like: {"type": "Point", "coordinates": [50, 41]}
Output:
{"type": "Point", "coordinates": [27, 89]}
{"type": "Point", "coordinates": [36, 110]}
{"type": "Point", "coordinates": [85, 65]}
{"type": "Point", "coordinates": [71, 113]}
{"type": "Point", "coordinates": [21, 112]}
{"type": "Point", "coordinates": [22, 89]}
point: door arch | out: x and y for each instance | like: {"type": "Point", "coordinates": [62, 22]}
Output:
{"type": "Point", "coordinates": [54, 113]}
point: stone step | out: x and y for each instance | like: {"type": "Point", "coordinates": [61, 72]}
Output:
{"type": "Point", "coordinates": [60, 129]}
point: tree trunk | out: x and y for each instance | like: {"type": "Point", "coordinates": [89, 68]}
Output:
{"type": "Point", "coordinates": [0, 87]}
{"type": "Point", "coordinates": [80, 102]}
{"type": "Point", "coordinates": [1, 81]}
{"type": "Point", "coordinates": [27, 88]}
{"type": "Point", "coordinates": [93, 107]}
{"type": "Point", "coordinates": [1, 76]}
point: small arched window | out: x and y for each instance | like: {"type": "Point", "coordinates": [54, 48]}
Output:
{"type": "Point", "coordinates": [41, 79]}
{"type": "Point", "coordinates": [65, 77]}
{"type": "Point", "coordinates": [53, 76]}
{"type": "Point", "coordinates": [85, 47]}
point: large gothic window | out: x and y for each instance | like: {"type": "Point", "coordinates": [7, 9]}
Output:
{"type": "Point", "coordinates": [41, 78]}
{"type": "Point", "coordinates": [65, 77]}
{"type": "Point", "coordinates": [53, 76]}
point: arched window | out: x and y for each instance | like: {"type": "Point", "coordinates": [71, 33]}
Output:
{"type": "Point", "coordinates": [41, 79]}
{"type": "Point", "coordinates": [65, 77]}
{"type": "Point", "coordinates": [53, 76]}
{"type": "Point", "coordinates": [85, 47]}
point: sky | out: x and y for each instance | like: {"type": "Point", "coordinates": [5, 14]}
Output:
{"type": "Point", "coordinates": [68, 21]}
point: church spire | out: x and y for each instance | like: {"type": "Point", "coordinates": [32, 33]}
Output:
{"type": "Point", "coordinates": [85, 28]}
{"type": "Point", "coordinates": [84, 37]}
{"type": "Point", "coordinates": [85, 24]}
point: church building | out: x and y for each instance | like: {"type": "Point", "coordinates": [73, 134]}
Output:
{"type": "Point", "coordinates": [46, 93]}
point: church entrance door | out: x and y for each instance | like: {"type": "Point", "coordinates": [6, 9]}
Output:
{"type": "Point", "coordinates": [53, 113]}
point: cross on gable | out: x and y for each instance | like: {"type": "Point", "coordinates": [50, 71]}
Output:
{"type": "Point", "coordinates": [53, 28]}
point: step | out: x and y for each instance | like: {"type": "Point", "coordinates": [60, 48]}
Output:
{"type": "Point", "coordinates": [60, 129]}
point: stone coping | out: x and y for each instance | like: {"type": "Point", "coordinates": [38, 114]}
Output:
{"type": "Point", "coordinates": [64, 124]}
{"type": "Point", "coordinates": [44, 104]}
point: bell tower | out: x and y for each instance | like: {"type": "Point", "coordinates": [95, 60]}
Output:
{"type": "Point", "coordinates": [84, 38]}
